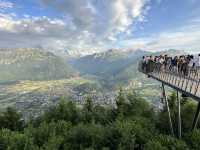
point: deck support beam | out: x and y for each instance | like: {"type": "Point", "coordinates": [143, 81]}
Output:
{"type": "Point", "coordinates": [179, 114]}
{"type": "Point", "coordinates": [196, 117]}
{"type": "Point", "coordinates": [168, 110]}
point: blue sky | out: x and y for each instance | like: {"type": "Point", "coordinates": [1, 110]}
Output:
{"type": "Point", "coordinates": [88, 26]}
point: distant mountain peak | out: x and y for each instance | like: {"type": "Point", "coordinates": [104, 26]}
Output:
{"type": "Point", "coordinates": [98, 53]}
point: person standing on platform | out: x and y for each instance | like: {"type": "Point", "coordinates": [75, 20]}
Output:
{"type": "Point", "coordinates": [150, 65]}
{"type": "Point", "coordinates": [175, 64]}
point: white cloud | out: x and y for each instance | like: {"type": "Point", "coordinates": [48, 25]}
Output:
{"type": "Point", "coordinates": [184, 38]}
{"type": "Point", "coordinates": [102, 19]}
{"type": "Point", "coordinates": [32, 32]}
{"type": "Point", "coordinates": [91, 25]}
{"type": "Point", "coordinates": [187, 38]}
{"type": "Point", "coordinates": [5, 4]}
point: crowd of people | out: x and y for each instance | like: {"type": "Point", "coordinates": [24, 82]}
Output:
{"type": "Point", "coordinates": [179, 64]}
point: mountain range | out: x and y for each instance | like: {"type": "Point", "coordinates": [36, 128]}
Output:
{"type": "Point", "coordinates": [110, 68]}
{"type": "Point", "coordinates": [32, 64]}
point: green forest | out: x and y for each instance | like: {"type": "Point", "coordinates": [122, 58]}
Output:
{"type": "Point", "coordinates": [132, 125]}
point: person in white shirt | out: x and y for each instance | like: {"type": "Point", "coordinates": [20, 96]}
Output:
{"type": "Point", "coordinates": [191, 61]}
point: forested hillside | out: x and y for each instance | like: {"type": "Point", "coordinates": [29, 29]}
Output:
{"type": "Point", "coordinates": [108, 63]}
{"type": "Point", "coordinates": [32, 64]}
{"type": "Point", "coordinates": [132, 124]}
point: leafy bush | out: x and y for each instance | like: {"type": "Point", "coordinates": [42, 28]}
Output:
{"type": "Point", "coordinates": [164, 142]}
{"type": "Point", "coordinates": [10, 119]}
{"type": "Point", "coordinates": [193, 139]}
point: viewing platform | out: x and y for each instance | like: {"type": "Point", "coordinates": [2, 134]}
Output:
{"type": "Point", "coordinates": [188, 85]}
{"type": "Point", "coordinates": [185, 81]}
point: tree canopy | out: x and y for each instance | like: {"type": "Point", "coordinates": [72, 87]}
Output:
{"type": "Point", "coordinates": [132, 124]}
